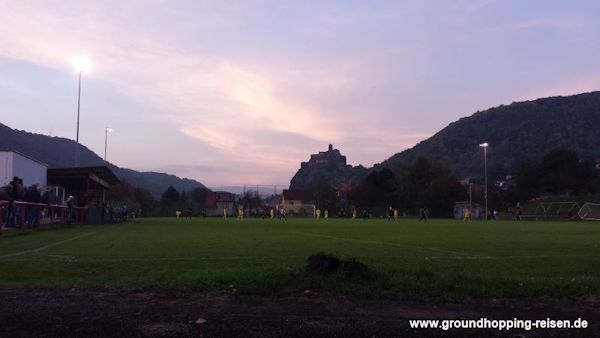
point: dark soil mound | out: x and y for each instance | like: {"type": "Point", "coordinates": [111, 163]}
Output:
{"type": "Point", "coordinates": [328, 264]}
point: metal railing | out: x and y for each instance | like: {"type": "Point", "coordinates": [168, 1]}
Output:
{"type": "Point", "coordinates": [25, 215]}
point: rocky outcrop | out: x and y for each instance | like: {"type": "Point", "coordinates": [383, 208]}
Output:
{"type": "Point", "coordinates": [329, 166]}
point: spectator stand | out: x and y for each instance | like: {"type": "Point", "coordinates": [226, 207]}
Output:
{"type": "Point", "coordinates": [86, 184]}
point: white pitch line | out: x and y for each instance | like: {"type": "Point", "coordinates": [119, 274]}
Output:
{"type": "Point", "coordinates": [463, 256]}
{"type": "Point", "coordinates": [20, 253]}
{"type": "Point", "coordinates": [151, 259]}
{"type": "Point", "coordinates": [381, 243]}
{"type": "Point", "coordinates": [510, 257]}
{"type": "Point", "coordinates": [68, 258]}
{"type": "Point", "coordinates": [148, 259]}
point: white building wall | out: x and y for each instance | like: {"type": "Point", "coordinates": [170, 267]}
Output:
{"type": "Point", "coordinates": [6, 167]}
{"type": "Point", "coordinates": [14, 164]}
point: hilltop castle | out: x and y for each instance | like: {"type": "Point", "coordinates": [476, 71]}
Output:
{"type": "Point", "coordinates": [331, 158]}
{"type": "Point", "coordinates": [329, 166]}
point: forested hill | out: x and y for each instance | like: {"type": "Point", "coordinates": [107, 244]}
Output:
{"type": "Point", "coordinates": [517, 133]}
{"type": "Point", "coordinates": [59, 152]}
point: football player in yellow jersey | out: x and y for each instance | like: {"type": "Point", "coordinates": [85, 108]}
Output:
{"type": "Point", "coordinates": [467, 214]}
{"type": "Point", "coordinates": [241, 212]}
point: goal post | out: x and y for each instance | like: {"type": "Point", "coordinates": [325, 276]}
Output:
{"type": "Point", "coordinates": [589, 212]}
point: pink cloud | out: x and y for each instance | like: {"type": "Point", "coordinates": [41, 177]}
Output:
{"type": "Point", "coordinates": [223, 87]}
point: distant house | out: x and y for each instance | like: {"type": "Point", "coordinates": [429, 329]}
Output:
{"type": "Point", "coordinates": [13, 163]}
{"type": "Point", "coordinates": [218, 201]}
{"type": "Point", "coordinates": [297, 202]}
{"type": "Point", "coordinates": [459, 209]}
{"type": "Point", "coordinates": [225, 200]}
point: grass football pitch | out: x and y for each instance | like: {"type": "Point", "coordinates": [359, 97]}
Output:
{"type": "Point", "coordinates": [411, 259]}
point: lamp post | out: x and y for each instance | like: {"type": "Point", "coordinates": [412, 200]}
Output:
{"type": "Point", "coordinates": [106, 131]}
{"type": "Point", "coordinates": [81, 64]}
{"type": "Point", "coordinates": [484, 146]}
{"type": "Point", "coordinates": [470, 195]}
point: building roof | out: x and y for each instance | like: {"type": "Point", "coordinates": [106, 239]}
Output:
{"type": "Point", "coordinates": [224, 196]}
{"type": "Point", "coordinates": [83, 178]}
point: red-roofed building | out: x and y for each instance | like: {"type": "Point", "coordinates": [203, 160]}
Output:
{"type": "Point", "coordinates": [218, 201]}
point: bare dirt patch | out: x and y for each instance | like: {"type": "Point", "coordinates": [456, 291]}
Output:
{"type": "Point", "coordinates": [88, 313]}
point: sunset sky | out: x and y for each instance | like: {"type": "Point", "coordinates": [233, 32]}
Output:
{"type": "Point", "coordinates": [240, 92]}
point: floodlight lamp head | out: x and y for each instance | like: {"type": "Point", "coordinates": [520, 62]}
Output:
{"type": "Point", "coordinates": [82, 64]}
{"type": "Point", "coordinates": [484, 145]}
{"type": "Point", "coordinates": [108, 130]}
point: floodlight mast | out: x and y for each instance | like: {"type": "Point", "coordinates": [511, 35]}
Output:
{"type": "Point", "coordinates": [484, 146]}
{"type": "Point", "coordinates": [106, 131]}
{"type": "Point", "coordinates": [81, 64]}
{"type": "Point", "coordinates": [77, 135]}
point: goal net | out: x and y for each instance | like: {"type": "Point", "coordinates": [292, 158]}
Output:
{"type": "Point", "coordinates": [590, 212]}
{"type": "Point", "coordinates": [552, 210]}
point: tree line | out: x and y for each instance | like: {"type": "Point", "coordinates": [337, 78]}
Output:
{"type": "Point", "coordinates": [422, 183]}
{"type": "Point", "coordinates": [561, 172]}
{"type": "Point", "coordinates": [409, 187]}
{"type": "Point", "coordinates": [171, 199]}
